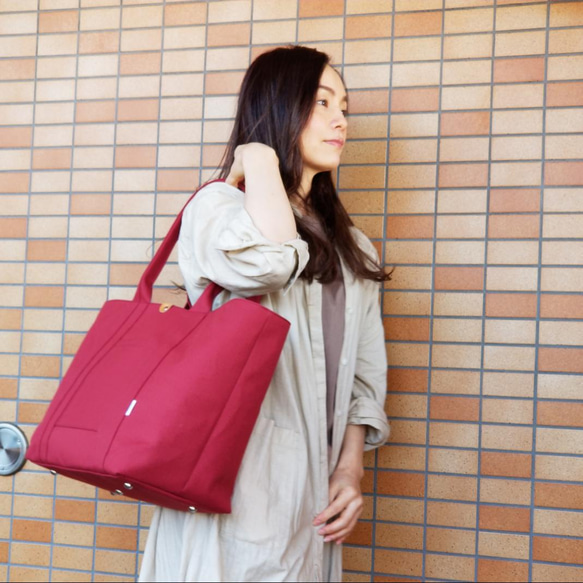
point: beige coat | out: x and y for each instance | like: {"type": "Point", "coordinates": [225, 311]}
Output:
{"type": "Point", "coordinates": [283, 480]}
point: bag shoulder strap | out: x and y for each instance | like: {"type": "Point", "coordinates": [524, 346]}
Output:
{"type": "Point", "coordinates": [151, 273]}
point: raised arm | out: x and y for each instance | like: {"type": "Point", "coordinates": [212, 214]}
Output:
{"type": "Point", "coordinates": [244, 241]}
{"type": "Point", "coordinates": [266, 200]}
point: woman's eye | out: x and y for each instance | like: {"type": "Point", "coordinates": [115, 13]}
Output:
{"type": "Point", "coordinates": [323, 102]}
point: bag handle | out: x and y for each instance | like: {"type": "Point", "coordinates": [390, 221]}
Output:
{"type": "Point", "coordinates": [150, 275]}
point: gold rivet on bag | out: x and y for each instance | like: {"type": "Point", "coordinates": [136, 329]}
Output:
{"type": "Point", "coordinates": [165, 307]}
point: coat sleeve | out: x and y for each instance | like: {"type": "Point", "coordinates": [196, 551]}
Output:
{"type": "Point", "coordinates": [370, 379]}
{"type": "Point", "coordinates": [219, 242]}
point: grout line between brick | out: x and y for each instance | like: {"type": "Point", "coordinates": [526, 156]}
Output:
{"type": "Point", "coordinates": [484, 294]}
{"type": "Point", "coordinates": [432, 299]}
{"type": "Point", "coordinates": [383, 256]}
{"type": "Point", "coordinates": [538, 306]}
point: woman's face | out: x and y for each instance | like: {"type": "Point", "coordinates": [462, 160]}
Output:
{"type": "Point", "coordinates": [322, 140]}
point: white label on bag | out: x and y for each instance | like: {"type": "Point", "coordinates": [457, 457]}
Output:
{"type": "Point", "coordinates": [131, 408]}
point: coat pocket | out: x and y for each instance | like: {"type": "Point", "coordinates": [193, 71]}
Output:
{"type": "Point", "coordinates": [267, 497]}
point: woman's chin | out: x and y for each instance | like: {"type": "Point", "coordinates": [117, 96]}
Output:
{"type": "Point", "coordinates": [331, 166]}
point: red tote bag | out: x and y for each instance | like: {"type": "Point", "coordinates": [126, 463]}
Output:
{"type": "Point", "coordinates": [160, 401]}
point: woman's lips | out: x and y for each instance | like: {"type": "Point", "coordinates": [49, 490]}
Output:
{"type": "Point", "coordinates": [336, 143]}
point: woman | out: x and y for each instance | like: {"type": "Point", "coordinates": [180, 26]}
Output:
{"type": "Point", "coordinates": [288, 238]}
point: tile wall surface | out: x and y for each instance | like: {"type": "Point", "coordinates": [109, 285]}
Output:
{"type": "Point", "coordinates": [464, 166]}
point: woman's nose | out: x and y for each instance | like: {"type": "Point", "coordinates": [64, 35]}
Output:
{"type": "Point", "coordinates": [339, 120]}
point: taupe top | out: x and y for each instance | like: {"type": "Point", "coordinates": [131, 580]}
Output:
{"type": "Point", "coordinates": [333, 306]}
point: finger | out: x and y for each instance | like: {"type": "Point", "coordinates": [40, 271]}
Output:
{"type": "Point", "coordinates": [347, 519]}
{"type": "Point", "coordinates": [339, 537]}
{"type": "Point", "coordinates": [339, 502]}
{"type": "Point", "coordinates": [334, 508]}
{"type": "Point", "coordinates": [335, 529]}
{"type": "Point", "coordinates": [233, 176]}
{"type": "Point", "coordinates": [342, 534]}
{"type": "Point", "coordinates": [351, 512]}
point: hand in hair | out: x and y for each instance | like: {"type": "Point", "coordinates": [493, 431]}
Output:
{"type": "Point", "coordinates": [252, 152]}
{"type": "Point", "coordinates": [266, 200]}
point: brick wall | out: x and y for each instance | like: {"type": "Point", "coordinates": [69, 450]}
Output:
{"type": "Point", "coordinates": [111, 113]}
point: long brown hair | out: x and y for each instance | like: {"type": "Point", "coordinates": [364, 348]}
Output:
{"type": "Point", "coordinates": [276, 100]}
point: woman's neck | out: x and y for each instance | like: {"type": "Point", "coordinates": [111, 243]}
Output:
{"type": "Point", "coordinates": [300, 198]}
{"type": "Point", "coordinates": [306, 183]}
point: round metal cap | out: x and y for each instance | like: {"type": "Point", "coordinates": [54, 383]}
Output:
{"type": "Point", "coordinates": [13, 446]}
